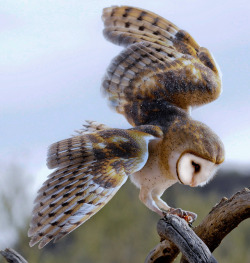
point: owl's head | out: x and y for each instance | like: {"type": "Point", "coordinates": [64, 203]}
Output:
{"type": "Point", "coordinates": [198, 153]}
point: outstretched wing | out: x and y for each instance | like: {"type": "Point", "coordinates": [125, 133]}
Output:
{"type": "Point", "coordinates": [90, 170]}
{"type": "Point", "coordinates": [161, 63]}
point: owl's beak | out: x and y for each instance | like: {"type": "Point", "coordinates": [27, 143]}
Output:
{"type": "Point", "coordinates": [193, 183]}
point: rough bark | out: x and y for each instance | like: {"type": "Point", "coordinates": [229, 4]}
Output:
{"type": "Point", "coordinates": [220, 221]}
{"type": "Point", "coordinates": [178, 231]}
{"type": "Point", "coordinates": [165, 251]}
{"type": "Point", "coordinates": [12, 256]}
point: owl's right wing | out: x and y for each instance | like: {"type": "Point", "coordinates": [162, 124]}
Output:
{"type": "Point", "coordinates": [161, 63]}
{"type": "Point", "coordinates": [90, 170]}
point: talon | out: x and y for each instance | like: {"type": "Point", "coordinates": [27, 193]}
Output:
{"type": "Point", "coordinates": [189, 217]}
{"type": "Point", "coordinates": [164, 213]}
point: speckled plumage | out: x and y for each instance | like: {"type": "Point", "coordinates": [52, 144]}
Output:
{"type": "Point", "coordinates": [154, 82]}
{"type": "Point", "coordinates": [91, 167]}
{"type": "Point", "coordinates": [160, 62]}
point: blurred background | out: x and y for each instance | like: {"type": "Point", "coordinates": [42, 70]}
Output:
{"type": "Point", "coordinates": [52, 60]}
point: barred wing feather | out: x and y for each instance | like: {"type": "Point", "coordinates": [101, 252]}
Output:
{"type": "Point", "coordinates": [160, 63]}
{"type": "Point", "coordinates": [90, 170]}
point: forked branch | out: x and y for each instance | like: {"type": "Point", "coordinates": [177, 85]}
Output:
{"type": "Point", "coordinates": [178, 237]}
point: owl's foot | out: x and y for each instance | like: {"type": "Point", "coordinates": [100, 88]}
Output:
{"type": "Point", "coordinates": [190, 217]}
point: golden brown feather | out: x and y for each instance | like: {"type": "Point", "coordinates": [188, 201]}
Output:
{"type": "Point", "coordinates": [161, 74]}
{"type": "Point", "coordinates": [90, 170]}
{"type": "Point", "coordinates": [161, 62]}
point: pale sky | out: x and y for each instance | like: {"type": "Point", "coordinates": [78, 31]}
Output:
{"type": "Point", "coordinates": [53, 57]}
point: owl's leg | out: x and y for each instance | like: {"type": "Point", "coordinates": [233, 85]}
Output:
{"type": "Point", "coordinates": [190, 217]}
{"type": "Point", "coordinates": [146, 197]}
{"type": "Point", "coordinates": [161, 204]}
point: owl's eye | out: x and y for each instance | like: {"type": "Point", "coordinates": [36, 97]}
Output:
{"type": "Point", "coordinates": [196, 166]}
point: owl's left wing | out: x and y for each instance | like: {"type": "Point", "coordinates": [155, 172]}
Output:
{"type": "Point", "coordinates": [90, 170]}
{"type": "Point", "coordinates": [161, 65]}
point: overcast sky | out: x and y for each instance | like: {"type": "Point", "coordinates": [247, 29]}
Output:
{"type": "Point", "coordinates": [53, 57]}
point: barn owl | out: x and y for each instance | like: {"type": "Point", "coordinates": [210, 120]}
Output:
{"type": "Point", "coordinates": [154, 82]}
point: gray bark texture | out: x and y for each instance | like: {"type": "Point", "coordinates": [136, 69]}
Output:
{"type": "Point", "coordinates": [196, 245]}
{"type": "Point", "coordinates": [12, 256]}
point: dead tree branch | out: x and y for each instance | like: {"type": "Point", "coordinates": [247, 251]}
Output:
{"type": "Point", "coordinates": [220, 221]}
{"type": "Point", "coordinates": [12, 256]}
{"type": "Point", "coordinates": [165, 251]}
{"type": "Point", "coordinates": [177, 230]}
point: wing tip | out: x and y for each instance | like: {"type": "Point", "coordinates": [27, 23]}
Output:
{"type": "Point", "coordinates": [40, 239]}
{"type": "Point", "coordinates": [107, 11]}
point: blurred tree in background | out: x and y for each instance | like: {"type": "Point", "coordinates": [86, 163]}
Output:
{"type": "Point", "coordinates": [15, 201]}
{"type": "Point", "coordinates": [124, 230]}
